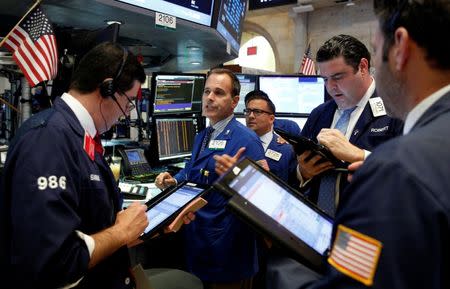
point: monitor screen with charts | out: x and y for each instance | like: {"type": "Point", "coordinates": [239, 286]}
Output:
{"type": "Point", "coordinates": [293, 94]}
{"type": "Point", "coordinates": [177, 93]}
{"type": "Point", "coordinates": [175, 137]}
{"type": "Point", "coordinates": [278, 211]}
{"type": "Point", "coordinates": [248, 83]}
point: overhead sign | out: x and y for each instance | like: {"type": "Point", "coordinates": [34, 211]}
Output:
{"type": "Point", "coordinates": [165, 21]}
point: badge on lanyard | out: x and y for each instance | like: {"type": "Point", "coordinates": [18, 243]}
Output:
{"type": "Point", "coordinates": [89, 146]}
{"type": "Point", "coordinates": [377, 106]}
{"type": "Point", "coordinates": [218, 145]}
{"type": "Point", "coordinates": [271, 154]}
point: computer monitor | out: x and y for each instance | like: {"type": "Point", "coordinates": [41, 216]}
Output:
{"type": "Point", "coordinates": [248, 83]}
{"type": "Point", "coordinates": [175, 137]}
{"type": "Point", "coordinates": [293, 94]}
{"type": "Point", "coordinates": [177, 93]}
{"type": "Point", "coordinates": [195, 11]}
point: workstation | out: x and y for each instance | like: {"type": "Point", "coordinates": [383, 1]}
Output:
{"type": "Point", "coordinates": [223, 144]}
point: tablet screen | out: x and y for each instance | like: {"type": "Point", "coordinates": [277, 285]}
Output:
{"type": "Point", "coordinates": [171, 204]}
{"type": "Point", "coordinates": [288, 211]}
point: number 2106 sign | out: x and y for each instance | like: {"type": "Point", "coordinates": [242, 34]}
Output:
{"type": "Point", "coordinates": [165, 21]}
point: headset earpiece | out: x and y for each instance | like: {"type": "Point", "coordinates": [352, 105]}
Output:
{"type": "Point", "coordinates": [108, 87]}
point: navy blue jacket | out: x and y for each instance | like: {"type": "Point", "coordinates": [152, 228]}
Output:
{"type": "Point", "coordinates": [52, 188]}
{"type": "Point", "coordinates": [286, 167]}
{"type": "Point", "coordinates": [401, 197]}
{"type": "Point", "coordinates": [368, 133]}
{"type": "Point", "coordinates": [219, 247]}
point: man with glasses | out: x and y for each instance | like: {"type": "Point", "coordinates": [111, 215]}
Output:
{"type": "Point", "coordinates": [259, 116]}
{"type": "Point", "coordinates": [61, 221]}
{"type": "Point", "coordinates": [351, 124]}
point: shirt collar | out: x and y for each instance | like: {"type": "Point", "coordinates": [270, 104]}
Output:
{"type": "Point", "coordinates": [220, 126]}
{"type": "Point", "coordinates": [83, 116]}
{"type": "Point", "coordinates": [414, 115]}
{"type": "Point", "coordinates": [266, 139]}
{"type": "Point", "coordinates": [363, 101]}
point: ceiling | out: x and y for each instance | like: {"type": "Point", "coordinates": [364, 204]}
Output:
{"type": "Point", "coordinates": [190, 47]}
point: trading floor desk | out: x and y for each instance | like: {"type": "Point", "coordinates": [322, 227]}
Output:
{"type": "Point", "coordinates": [141, 192]}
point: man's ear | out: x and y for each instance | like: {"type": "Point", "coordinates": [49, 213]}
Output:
{"type": "Point", "coordinates": [235, 101]}
{"type": "Point", "coordinates": [401, 48]}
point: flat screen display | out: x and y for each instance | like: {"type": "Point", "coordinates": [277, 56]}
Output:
{"type": "Point", "coordinates": [293, 94]}
{"type": "Point", "coordinates": [177, 93]}
{"type": "Point", "coordinates": [197, 11]}
{"type": "Point", "coordinates": [288, 211]}
{"type": "Point", "coordinates": [248, 83]}
{"type": "Point", "coordinates": [133, 156]}
{"type": "Point", "coordinates": [230, 21]}
{"type": "Point", "coordinates": [170, 205]}
{"type": "Point", "coordinates": [260, 4]}
{"type": "Point", "coordinates": [175, 137]}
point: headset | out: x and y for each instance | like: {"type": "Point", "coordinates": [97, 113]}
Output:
{"type": "Point", "coordinates": [109, 87]}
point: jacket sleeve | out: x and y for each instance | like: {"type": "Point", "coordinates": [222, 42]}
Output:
{"type": "Point", "coordinates": [45, 248]}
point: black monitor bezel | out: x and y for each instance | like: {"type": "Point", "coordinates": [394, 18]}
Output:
{"type": "Point", "coordinates": [153, 95]}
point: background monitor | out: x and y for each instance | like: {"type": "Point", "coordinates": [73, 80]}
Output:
{"type": "Point", "coordinates": [229, 21]}
{"type": "Point", "coordinates": [293, 94]}
{"type": "Point", "coordinates": [175, 137]}
{"type": "Point", "coordinates": [197, 11]}
{"type": "Point", "coordinates": [248, 83]}
{"type": "Point", "coordinates": [177, 93]}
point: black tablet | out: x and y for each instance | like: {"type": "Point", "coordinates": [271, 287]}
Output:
{"type": "Point", "coordinates": [302, 144]}
{"type": "Point", "coordinates": [165, 207]}
{"type": "Point", "coordinates": [276, 210]}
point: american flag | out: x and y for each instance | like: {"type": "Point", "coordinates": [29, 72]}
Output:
{"type": "Point", "coordinates": [33, 45]}
{"type": "Point", "coordinates": [355, 254]}
{"type": "Point", "coordinates": [307, 67]}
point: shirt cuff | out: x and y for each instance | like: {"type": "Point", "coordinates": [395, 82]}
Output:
{"type": "Point", "coordinates": [366, 154]}
{"type": "Point", "coordinates": [300, 178]}
{"type": "Point", "coordinates": [90, 243]}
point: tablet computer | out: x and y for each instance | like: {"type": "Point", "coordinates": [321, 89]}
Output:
{"type": "Point", "coordinates": [276, 210]}
{"type": "Point", "coordinates": [169, 204]}
{"type": "Point", "coordinates": [302, 144]}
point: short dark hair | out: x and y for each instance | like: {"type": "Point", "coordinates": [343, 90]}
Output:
{"type": "Point", "coordinates": [426, 21]}
{"type": "Point", "coordinates": [235, 84]}
{"type": "Point", "coordinates": [347, 46]}
{"type": "Point", "coordinates": [102, 62]}
{"type": "Point", "coordinates": [259, 94]}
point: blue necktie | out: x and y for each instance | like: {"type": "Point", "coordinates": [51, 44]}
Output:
{"type": "Point", "coordinates": [206, 138]}
{"type": "Point", "coordinates": [327, 190]}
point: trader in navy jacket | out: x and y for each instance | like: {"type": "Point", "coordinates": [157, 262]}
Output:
{"type": "Point", "coordinates": [344, 63]}
{"type": "Point", "coordinates": [220, 249]}
{"type": "Point", "coordinates": [259, 116]}
{"type": "Point", "coordinates": [61, 218]}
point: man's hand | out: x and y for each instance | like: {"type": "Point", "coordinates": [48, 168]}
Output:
{"type": "Point", "coordinates": [224, 162]}
{"type": "Point", "coordinates": [352, 168]}
{"type": "Point", "coordinates": [338, 144]}
{"type": "Point", "coordinates": [130, 223]}
{"type": "Point", "coordinates": [164, 180]}
{"type": "Point", "coordinates": [310, 165]}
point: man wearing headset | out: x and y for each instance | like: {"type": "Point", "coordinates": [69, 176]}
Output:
{"type": "Point", "coordinates": [60, 210]}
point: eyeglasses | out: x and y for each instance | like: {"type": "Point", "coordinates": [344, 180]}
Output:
{"type": "Point", "coordinates": [130, 104]}
{"type": "Point", "coordinates": [256, 112]}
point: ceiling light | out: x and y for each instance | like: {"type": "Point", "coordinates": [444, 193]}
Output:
{"type": "Point", "coordinates": [193, 47]}
{"type": "Point", "coordinates": [303, 8]}
{"type": "Point", "coordinates": [350, 3]}
{"type": "Point", "coordinates": [109, 22]}
{"type": "Point", "coordinates": [195, 63]}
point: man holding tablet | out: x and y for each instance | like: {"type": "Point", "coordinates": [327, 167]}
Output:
{"type": "Point", "coordinates": [220, 249]}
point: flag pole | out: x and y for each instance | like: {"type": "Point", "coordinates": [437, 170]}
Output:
{"type": "Point", "coordinates": [8, 104]}
{"type": "Point", "coordinates": [26, 14]}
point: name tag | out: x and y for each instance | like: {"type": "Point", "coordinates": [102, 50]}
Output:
{"type": "Point", "coordinates": [271, 154]}
{"type": "Point", "coordinates": [217, 144]}
{"type": "Point", "coordinates": [380, 129]}
{"type": "Point", "coordinates": [377, 106]}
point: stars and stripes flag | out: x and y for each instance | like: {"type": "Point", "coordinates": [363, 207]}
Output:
{"type": "Point", "coordinates": [355, 255]}
{"type": "Point", "coordinates": [33, 45]}
{"type": "Point", "coordinates": [307, 67]}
